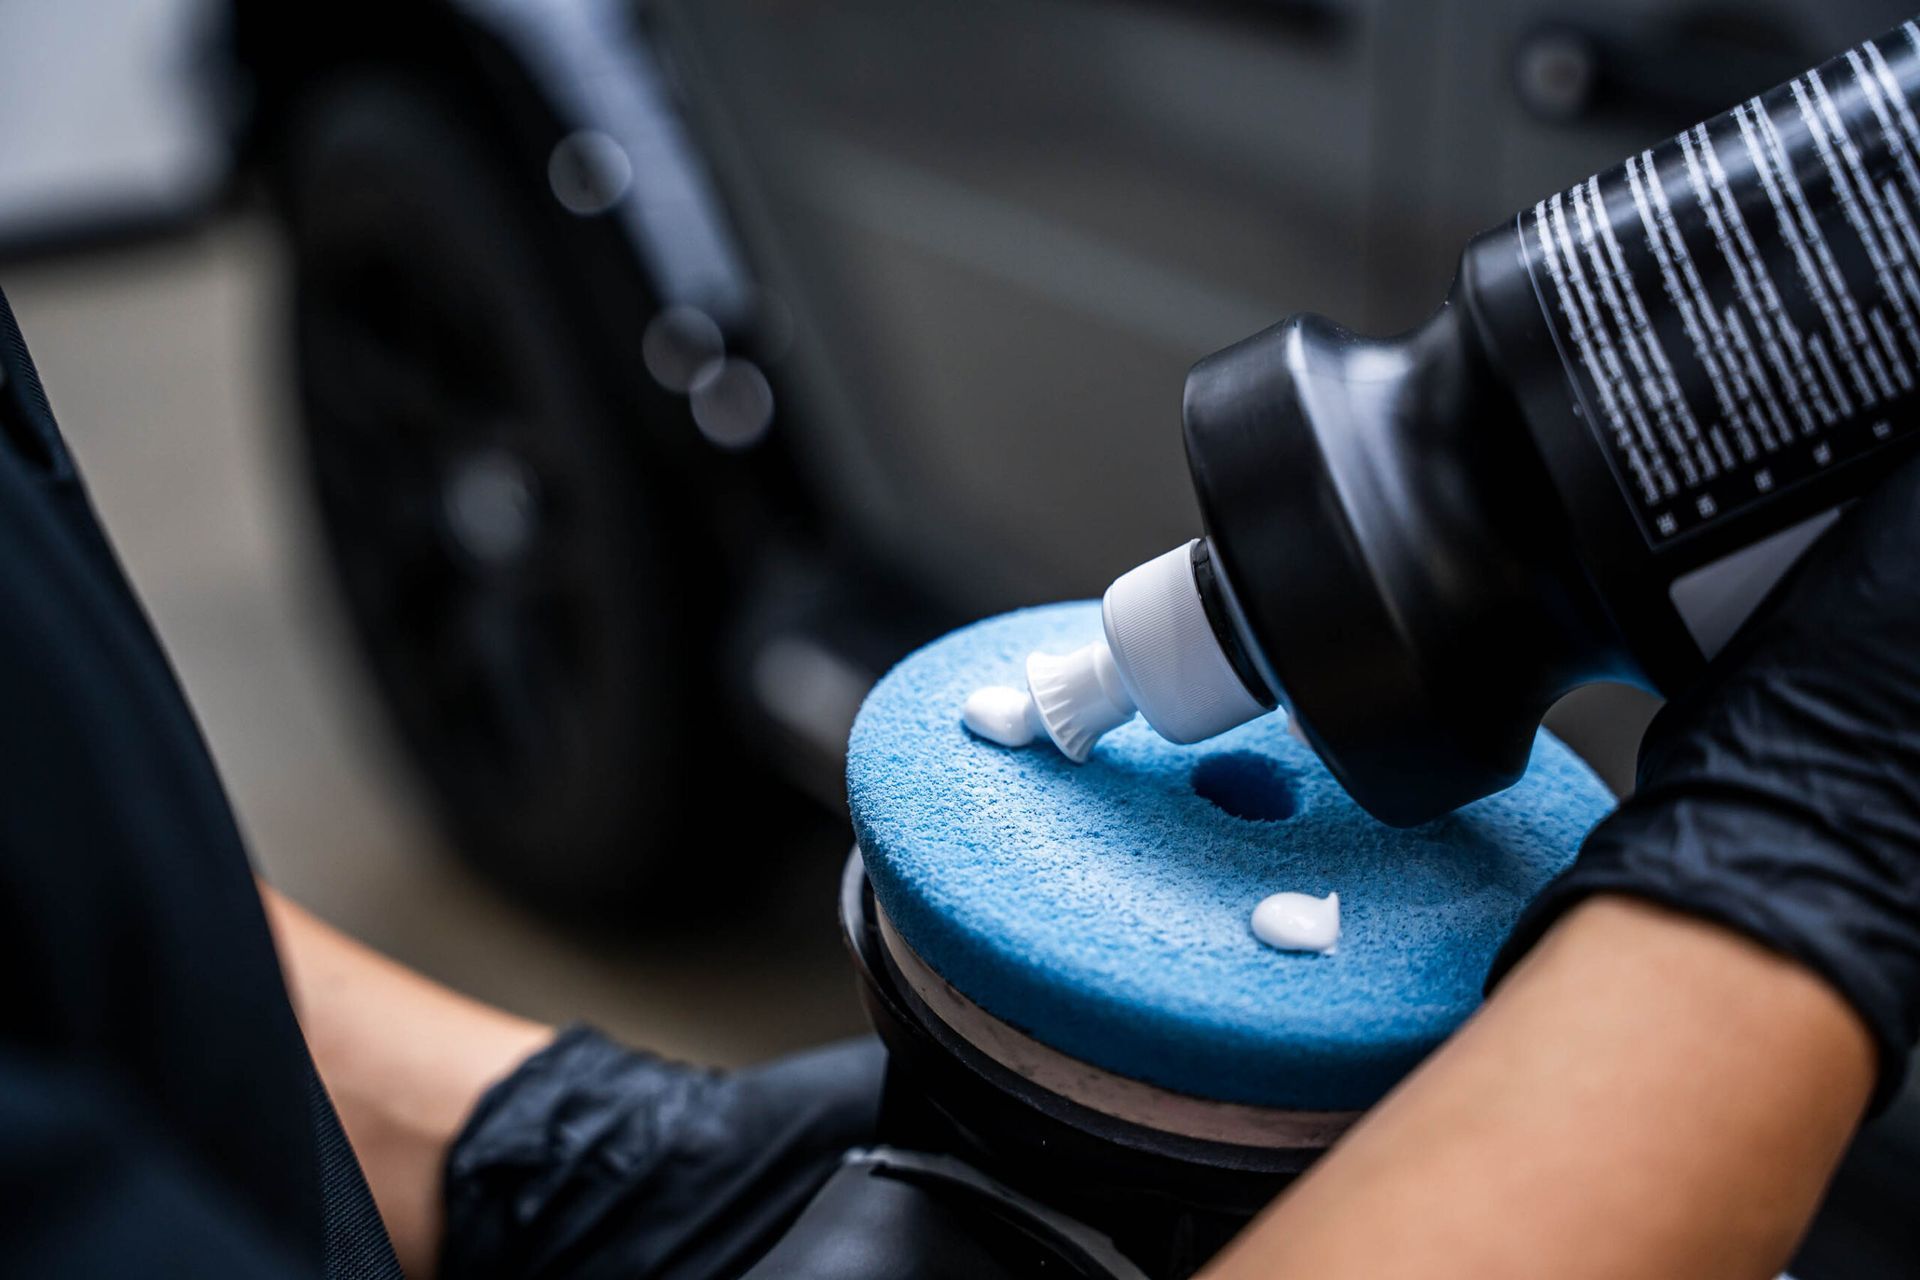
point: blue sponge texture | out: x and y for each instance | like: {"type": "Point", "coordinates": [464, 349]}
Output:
{"type": "Point", "coordinates": [1103, 908]}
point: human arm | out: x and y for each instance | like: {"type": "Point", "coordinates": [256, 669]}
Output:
{"type": "Point", "coordinates": [1647, 1095]}
{"type": "Point", "coordinates": [1658, 1061]}
{"type": "Point", "coordinates": [404, 1059]}
{"type": "Point", "coordinates": [495, 1148]}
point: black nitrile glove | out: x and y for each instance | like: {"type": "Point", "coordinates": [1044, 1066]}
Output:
{"type": "Point", "coordinates": [596, 1162]}
{"type": "Point", "coordinates": [1781, 794]}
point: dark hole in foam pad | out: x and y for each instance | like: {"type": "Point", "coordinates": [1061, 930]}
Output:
{"type": "Point", "coordinates": [1245, 784]}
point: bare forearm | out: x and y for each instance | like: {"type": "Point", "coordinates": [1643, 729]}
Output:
{"type": "Point", "coordinates": [404, 1059]}
{"type": "Point", "coordinates": [1645, 1096]}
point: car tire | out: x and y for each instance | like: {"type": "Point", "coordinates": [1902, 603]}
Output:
{"type": "Point", "coordinates": [517, 556]}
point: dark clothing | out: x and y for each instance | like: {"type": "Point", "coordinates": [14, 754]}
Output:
{"type": "Point", "coordinates": [159, 1114]}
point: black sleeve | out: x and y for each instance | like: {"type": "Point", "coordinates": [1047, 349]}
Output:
{"type": "Point", "coordinates": [159, 1113]}
{"type": "Point", "coordinates": [593, 1161]}
{"type": "Point", "coordinates": [88, 1190]}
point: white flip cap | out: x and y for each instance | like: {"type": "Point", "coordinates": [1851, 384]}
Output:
{"type": "Point", "coordinates": [1166, 653]}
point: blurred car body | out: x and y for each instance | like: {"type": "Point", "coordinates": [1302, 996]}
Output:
{"type": "Point", "coordinates": [972, 247]}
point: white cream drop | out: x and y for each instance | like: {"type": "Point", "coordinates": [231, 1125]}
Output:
{"type": "Point", "coordinates": [1298, 922]}
{"type": "Point", "coordinates": [1003, 715]}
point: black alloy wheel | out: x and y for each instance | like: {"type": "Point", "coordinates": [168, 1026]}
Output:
{"type": "Point", "coordinates": [510, 546]}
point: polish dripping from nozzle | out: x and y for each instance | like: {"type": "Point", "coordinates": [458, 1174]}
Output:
{"type": "Point", "coordinates": [1160, 656]}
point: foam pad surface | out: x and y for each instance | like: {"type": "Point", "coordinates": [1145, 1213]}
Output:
{"type": "Point", "coordinates": [1103, 908]}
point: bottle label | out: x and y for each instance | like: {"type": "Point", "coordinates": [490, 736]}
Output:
{"type": "Point", "coordinates": [1739, 307]}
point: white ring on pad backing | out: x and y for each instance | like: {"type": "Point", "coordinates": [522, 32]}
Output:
{"type": "Point", "coordinates": [1159, 657]}
{"type": "Point", "coordinates": [1134, 1101]}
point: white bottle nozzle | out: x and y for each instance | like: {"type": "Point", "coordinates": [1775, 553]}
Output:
{"type": "Point", "coordinates": [1160, 657]}
{"type": "Point", "coordinates": [1079, 697]}
{"type": "Point", "coordinates": [1167, 653]}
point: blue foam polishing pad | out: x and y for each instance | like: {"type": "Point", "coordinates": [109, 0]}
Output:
{"type": "Point", "coordinates": [1103, 909]}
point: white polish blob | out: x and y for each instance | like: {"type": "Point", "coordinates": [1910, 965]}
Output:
{"type": "Point", "coordinates": [1003, 715]}
{"type": "Point", "coordinates": [1298, 922]}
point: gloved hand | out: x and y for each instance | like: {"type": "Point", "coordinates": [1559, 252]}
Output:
{"type": "Point", "coordinates": [1780, 795]}
{"type": "Point", "coordinates": [592, 1160]}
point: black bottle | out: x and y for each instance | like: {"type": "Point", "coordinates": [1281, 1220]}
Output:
{"type": "Point", "coordinates": [1641, 400]}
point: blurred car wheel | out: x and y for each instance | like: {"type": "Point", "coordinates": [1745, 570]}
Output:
{"type": "Point", "coordinates": [511, 553]}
